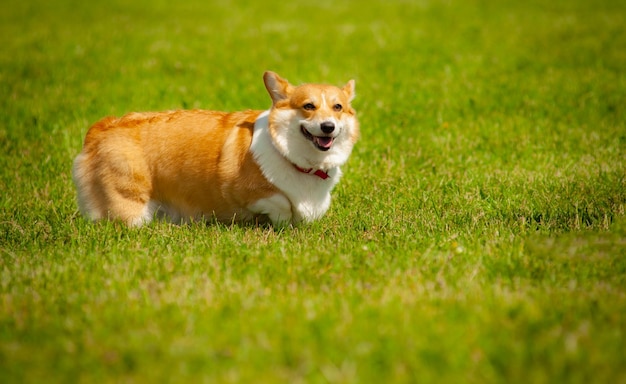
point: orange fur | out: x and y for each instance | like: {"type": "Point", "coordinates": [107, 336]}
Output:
{"type": "Point", "coordinates": [194, 160]}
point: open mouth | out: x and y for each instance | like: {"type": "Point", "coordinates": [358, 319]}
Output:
{"type": "Point", "coordinates": [323, 143]}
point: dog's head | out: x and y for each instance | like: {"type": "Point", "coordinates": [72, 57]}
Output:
{"type": "Point", "coordinates": [312, 125]}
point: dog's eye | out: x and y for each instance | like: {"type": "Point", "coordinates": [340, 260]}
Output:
{"type": "Point", "coordinates": [338, 107]}
{"type": "Point", "coordinates": [308, 107]}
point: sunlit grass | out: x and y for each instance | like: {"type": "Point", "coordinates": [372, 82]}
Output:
{"type": "Point", "coordinates": [478, 233]}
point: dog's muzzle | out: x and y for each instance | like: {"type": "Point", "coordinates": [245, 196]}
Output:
{"type": "Point", "coordinates": [323, 143]}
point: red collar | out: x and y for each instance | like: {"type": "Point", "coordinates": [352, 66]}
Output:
{"type": "Point", "coordinates": [319, 173]}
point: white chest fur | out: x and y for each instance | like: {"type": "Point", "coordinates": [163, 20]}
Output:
{"type": "Point", "coordinates": [305, 197]}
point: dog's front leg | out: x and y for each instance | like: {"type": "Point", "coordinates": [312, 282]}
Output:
{"type": "Point", "coordinates": [277, 208]}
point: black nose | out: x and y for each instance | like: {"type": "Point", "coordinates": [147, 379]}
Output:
{"type": "Point", "coordinates": [327, 127]}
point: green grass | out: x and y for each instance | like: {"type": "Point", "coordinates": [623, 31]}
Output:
{"type": "Point", "coordinates": [478, 235]}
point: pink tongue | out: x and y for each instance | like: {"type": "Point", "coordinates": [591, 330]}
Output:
{"type": "Point", "coordinates": [324, 142]}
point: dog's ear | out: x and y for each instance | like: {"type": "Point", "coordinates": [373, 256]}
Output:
{"type": "Point", "coordinates": [278, 88]}
{"type": "Point", "coordinates": [348, 89]}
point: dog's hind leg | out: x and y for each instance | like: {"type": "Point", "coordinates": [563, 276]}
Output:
{"type": "Point", "coordinates": [114, 184]}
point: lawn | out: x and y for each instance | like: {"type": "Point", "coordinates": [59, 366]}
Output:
{"type": "Point", "coordinates": [478, 234]}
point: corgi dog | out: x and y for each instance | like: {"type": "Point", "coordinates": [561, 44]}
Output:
{"type": "Point", "coordinates": [278, 165]}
